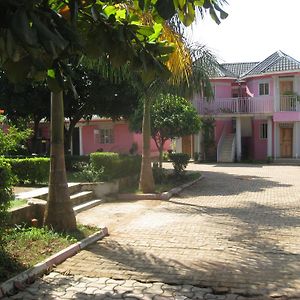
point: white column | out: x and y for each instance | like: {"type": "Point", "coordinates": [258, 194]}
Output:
{"type": "Point", "coordinates": [80, 141]}
{"type": "Point", "coordinates": [238, 139]}
{"type": "Point", "coordinates": [270, 140]}
{"type": "Point", "coordinates": [178, 145]}
{"type": "Point", "coordinates": [276, 92]}
{"type": "Point", "coordinates": [276, 141]}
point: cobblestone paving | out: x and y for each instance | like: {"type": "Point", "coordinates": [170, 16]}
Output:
{"type": "Point", "coordinates": [58, 286]}
{"type": "Point", "coordinates": [237, 232]}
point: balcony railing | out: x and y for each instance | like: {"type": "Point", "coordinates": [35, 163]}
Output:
{"type": "Point", "coordinates": [289, 103]}
{"type": "Point", "coordinates": [246, 105]}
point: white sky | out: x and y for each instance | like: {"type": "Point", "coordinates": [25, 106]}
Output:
{"type": "Point", "coordinates": [253, 30]}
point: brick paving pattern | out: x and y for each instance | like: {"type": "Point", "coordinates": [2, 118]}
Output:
{"type": "Point", "coordinates": [234, 234]}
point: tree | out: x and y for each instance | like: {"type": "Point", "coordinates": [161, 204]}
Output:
{"type": "Point", "coordinates": [97, 95]}
{"type": "Point", "coordinates": [11, 139]}
{"type": "Point", "coordinates": [25, 102]}
{"type": "Point", "coordinates": [38, 37]}
{"type": "Point", "coordinates": [171, 116]}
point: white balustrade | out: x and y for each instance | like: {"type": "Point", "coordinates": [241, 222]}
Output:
{"type": "Point", "coordinates": [246, 105]}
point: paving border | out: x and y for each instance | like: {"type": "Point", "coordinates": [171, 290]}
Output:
{"type": "Point", "coordinates": [20, 280]}
{"type": "Point", "coordinates": [161, 196]}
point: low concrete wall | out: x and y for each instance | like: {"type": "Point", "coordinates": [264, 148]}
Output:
{"type": "Point", "coordinates": [26, 213]}
{"type": "Point", "coordinates": [35, 208]}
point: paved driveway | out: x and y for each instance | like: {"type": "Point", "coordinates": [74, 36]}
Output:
{"type": "Point", "coordinates": [236, 232]}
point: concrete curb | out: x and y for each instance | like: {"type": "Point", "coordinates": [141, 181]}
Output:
{"type": "Point", "coordinates": [20, 280]}
{"type": "Point", "coordinates": [161, 196]}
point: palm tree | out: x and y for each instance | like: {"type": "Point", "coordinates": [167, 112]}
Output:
{"type": "Point", "coordinates": [190, 66]}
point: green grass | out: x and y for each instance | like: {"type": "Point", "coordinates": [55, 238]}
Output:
{"type": "Point", "coordinates": [17, 203]}
{"type": "Point", "coordinates": [23, 247]}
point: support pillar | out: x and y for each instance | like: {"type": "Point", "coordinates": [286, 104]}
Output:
{"type": "Point", "coordinates": [238, 139]}
{"type": "Point", "coordinates": [270, 139]}
{"type": "Point", "coordinates": [80, 141]}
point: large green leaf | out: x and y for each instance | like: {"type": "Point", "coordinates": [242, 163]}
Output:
{"type": "Point", "coordinates": [165, 8]}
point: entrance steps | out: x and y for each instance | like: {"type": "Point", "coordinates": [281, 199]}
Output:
{"type": "Point", "coordinates": [287, 161]}
{"type": "Point", "coordinates": [226, 149]}
{"type": "Point", "coordinates": [80, 197]}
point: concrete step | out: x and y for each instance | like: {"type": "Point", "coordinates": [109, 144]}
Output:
{"type": "Point", "coordinates": [42, 193]}
{"type": "Point", "coordinates": [87, 205]}
{"type": "Point", "coordinates": [81, 197]}
{"type": "Point", "coordinates": [74, 187]}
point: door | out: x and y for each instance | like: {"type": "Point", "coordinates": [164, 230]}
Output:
{"type": "Point", "coordinates": [187, 145]}
{"type": "Point", "coordinates": [287, 101]}
{"type": "Point", "coordinates": [286, 142]}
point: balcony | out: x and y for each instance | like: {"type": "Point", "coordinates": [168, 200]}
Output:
{"type": "Point", "coordinates": [229, 106]}
{"type": "Point", "coordinates": [289, 103]}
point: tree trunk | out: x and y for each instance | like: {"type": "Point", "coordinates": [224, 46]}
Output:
{"type": "Point", "coordinates": [146, 176]}
{"type": "Point", "coordinates": [59, 213]}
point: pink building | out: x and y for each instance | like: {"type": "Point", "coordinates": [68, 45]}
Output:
{"type": "Point", "coordinates": [256, 107]}
{"type": "Point", "coordinates": [106, 135]}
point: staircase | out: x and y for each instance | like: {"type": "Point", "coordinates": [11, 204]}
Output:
{"type": "Point", "coordinates": [80, 197]}
{"type": "Point", "coordinates": [227, 148]}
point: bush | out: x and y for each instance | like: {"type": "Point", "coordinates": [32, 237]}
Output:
{"type": "Point", "coordinates": [31, 170]}
{"type": "Point", "coordinates": [114, 165]}
{"type": "Point", "coordinates": [73, 161]}
{"type": "Point", "coordinates": [165, 156]}
{"type": "Point", "coordinates": [179, 161]}
{"type": "Point", "coordinates": [87, 172]}
{"type": "Point", "coordinates": [159, 174]}
{"type": "Point", "coordinates": [7, 180]}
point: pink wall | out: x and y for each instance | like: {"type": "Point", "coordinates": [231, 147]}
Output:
{"type": "Point", "coordinates": [286, 116]}
{"type": "Point", "coordinates": [154, 152]}
{"type": "Point", "coordinates": [253, 85]}
{"type": "Point", "coordinates": [222, 88]}
{"type": "Point", "coordinates": [260, 146]}
{"type": "Point", "coordinates": [219, 125]}
{"type": "Point", "coordinates": [123, 139]}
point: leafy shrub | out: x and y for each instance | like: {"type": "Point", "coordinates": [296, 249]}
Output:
{"type": "Point", "coordinates": [32, 170]}
{"type": "Point", "coordinates": [7, 180]}
{"type": "Point", "coordinates": [73, 161]}
{"type": "Point", "coordinates": [87, 172]}
{"type": "Point", "coordinates": [179, 161]}
{"type": "Point", "coordinates": [159, 174]}
{"type": "Point", "coordinates": [165, 156]}
{"type": "Point", "coordinates": [115, 165]}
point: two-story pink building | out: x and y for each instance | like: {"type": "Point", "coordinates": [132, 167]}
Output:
{"type": "Point", "coordinates": [256, 107]}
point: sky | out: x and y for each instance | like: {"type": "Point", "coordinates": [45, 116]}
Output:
{"type": "Point", "coordinates": [253, 30]}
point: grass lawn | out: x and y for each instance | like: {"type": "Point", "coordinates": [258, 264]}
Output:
{"type": "Point", "coordinates": [17, 203]}
{"type": "Point", "coordinates": [23, 247]}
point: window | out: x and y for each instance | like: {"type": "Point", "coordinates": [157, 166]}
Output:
{"type": "Point", "coordinates": [263, 131]}
{"type": "Point", "coordinates": [263, 89]}
{"type": "Point", "coordinates": [104, 136]}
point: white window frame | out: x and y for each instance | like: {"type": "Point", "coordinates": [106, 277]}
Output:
{"type": "Point", "coordinates": [104, 135]}
{"type": "Point", "coordinates": [263, 131]}
{"type": "Point", "coordinates": [264, 83]}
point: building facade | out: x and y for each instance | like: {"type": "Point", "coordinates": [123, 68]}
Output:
{"type": "Point", "coordinates": [256, 108]}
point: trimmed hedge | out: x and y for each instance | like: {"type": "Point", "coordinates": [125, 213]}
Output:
{"type": "Point", "coordinates": [32, 170]}
{"type": "Point", "coordinates": [115, 165]}
{"type": "Point", "coordinates": [7, 180]}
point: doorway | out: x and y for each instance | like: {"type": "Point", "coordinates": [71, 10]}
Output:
{"type": "Point", "coordinates": [187, 145]}
{"type": "Point", "coordinates": [286, 142]}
